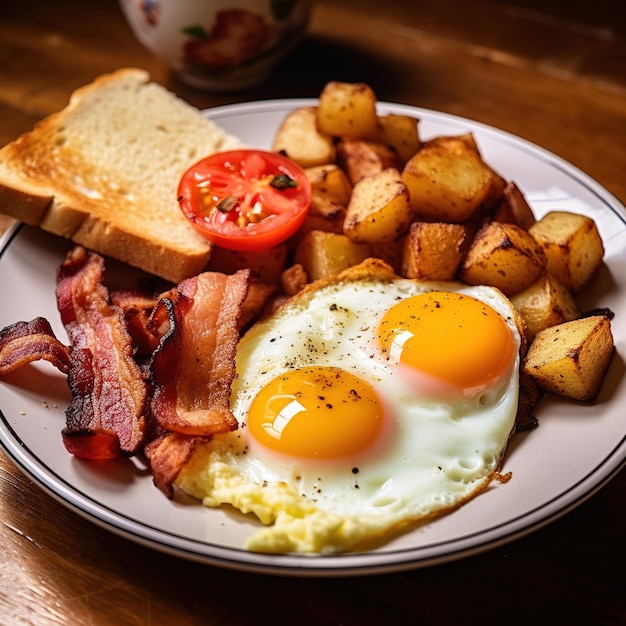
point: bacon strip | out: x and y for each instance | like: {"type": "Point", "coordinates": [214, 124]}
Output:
{"type": "Point", "coordinates": [25, 342]}
{"type": "Point", "coordinates": [194, 366]}
{"type": "Point", "coordinates": [167, 455]}
{"type": "Point", "coordinates": [105, 416]}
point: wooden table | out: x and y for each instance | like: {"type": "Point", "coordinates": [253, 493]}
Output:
{"type": "Point", "coordinates": [553, 72]}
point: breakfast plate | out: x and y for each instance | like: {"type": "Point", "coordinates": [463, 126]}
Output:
{"type": "Point", "coordinates": [574, 451]}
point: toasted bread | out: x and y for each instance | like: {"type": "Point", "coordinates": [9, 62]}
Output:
{"type": "Point", "coordinates": [104, 172]}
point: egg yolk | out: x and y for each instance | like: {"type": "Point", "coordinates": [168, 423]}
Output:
{"type": "Point", "coordinates": [316, 412]}
{"type": "Point", "coordinates": [451, 337]}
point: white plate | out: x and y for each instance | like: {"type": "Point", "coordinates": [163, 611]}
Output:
{"type": "Point", "coordinates": [575, 451]}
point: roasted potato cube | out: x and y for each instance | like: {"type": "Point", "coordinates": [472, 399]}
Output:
{"type": "Point", "coordinates": [324, 254]}
{"type": "Point", "coordinates": [390, 252]}
{"type": "Point", "coordinates": [379, 208]}
{"type": "Point", "coordinates": [572, 245]}
{"type": "Point", "coordinates": [447, 180]}
{"type": "Point", "coordinates": [571, 359]}
{"type": "Point", "coordinates": [360, 158]}
{"type": "Point", "coordinates": [504, 256]}
{"type": "Point", "coordinates": [330, 195]}
{"type": "Point", "coordinates": [493, 198]}
{"type": "Point", "coordinates": [347, 110]}
{"type": "Point", "coordinates": [267, 265]}
{"type": "Point", "coordinates": [293, 279]}
{"type": "Point", "coordinates": [400, 132]}
{"type": "Point", "coordinates": [513, 208]}
{"type": "Point", "coordinates": [330, 180]}
{"type": "Point", "coordinates": [545, 303]}
{"type": "Point", "coordinates": [299, 138]}
{"type": "Point", "coordinates": [433, 250]}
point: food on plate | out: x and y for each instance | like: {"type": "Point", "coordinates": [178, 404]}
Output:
{"type": "Point", "coordinates": [571, 358]}
{"type": "Point", "coordinates": [379, 208]}
{"type": "Point", "coordinates": [268, 265]}
{"type": "Point", "coordinates": [448, 180]}
{"type": "Point", "coordinates": [322, 254]}
{"type": "Point", "coordinates": [245, 199]}
{"type": "Point", "coordinates": [298, 136]}
{"type": "Point", "coordinates": [348, 110]}
{"type": "Point", "coordinates": [433, 250]}
{"type": "Point", "coordinates": [572, 245]}
{"type": "Point", "coordinates": [505, 256]}
{"type": "Point", "coordinates": [360, 158]}
{"type": "Point", "coordinates": [104, 171]}
{"type": "Point", "coordinates": [545, 303]}
{"type": "Point", "coordinates": [414, 285]}
{"type": "Point", "coordinates": [330, 195]}
{"type": "Point", "coordinates": [357, 412]}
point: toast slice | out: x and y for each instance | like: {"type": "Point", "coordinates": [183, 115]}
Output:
{"type": "Point", "coordinates": [104, 173]}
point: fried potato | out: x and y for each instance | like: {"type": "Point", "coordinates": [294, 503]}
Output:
{"type": "Point", "coordinates": [362, 157]}
{"type": "Point", "coordinates": [330, 180]}
{"type": "Point", "coordinates": [571, 359]}
{"type": "Point", "coordinates": [572, 245]}
{"type": "Point", "coordinates": [390, 252]}
{"type": "Point", "coordinates": [347, 110]}
{"type": "Point", "coordinates": [324, 254]}
{"type": "Point", "coordinates": [400, 133]}
{"type": "Point", "coordinates": [293, 279]}
{"type": "Point", "coordinates": [330, 194]}
{"type": "Point", "coordinates": [504, 256]}
{"type": "Point", "coordinates": [545, 303]}
{"type": "Point", "coordinates": [267, 265]}
{"type": "Point", "coordinates": [447, 180]}
{"type": "Point", "coordinates": [379, 208]}
{"type": "Point", "coordinates": [513, 208]}
{"type": "Point", "coordinates": [433, 250]}
{"type": "Point", "coordinates": [299, 139]}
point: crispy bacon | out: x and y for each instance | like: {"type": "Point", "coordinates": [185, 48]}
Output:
{"type": "Point", "coordinates": [105, 416]}
{"type": "Point", "coordinates": [194, 366]}
{"type": "Point", "coordinates": [123, 403]}
{"type": "Point", "coordinates": [167, 454]}
{"type": "Point", "coordinates": [25, 342]}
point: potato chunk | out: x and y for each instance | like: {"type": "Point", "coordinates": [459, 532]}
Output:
{"type": "Point", "coordinates": [545, 303]}
{"type": "Point", "coordinates": [572, 245]}
{"type": "Point", "coordinates": [433, 250]}
{"type": "Point", "coordinates": [571, 359]}
{"type": "Point", "coordinates": [330, 194]}
{"type": "Point", "coordinates": [299, 138]}
{"type": "Point", "coordinates": [324, 254]}
{"type": "Point", "coordinates": [293, 279]}
{"type": "Point", "coordinates": [513, 208]}
{"type": "Point", "coordinates": [400, 133]}
{"type": "Point", "coordinates": [347, 110]}
{"type": "Point", "coordinates": [379, 208]}
{"type": "Point", "coordinates": [504, 256]}
{"type": "Point", "coordinates": [447, 180]}
{"type": "Point", "coordinates": [361, 157]}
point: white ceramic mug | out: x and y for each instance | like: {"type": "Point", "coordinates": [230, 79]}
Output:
{"type": "Point", "coordinates": [221, 45]}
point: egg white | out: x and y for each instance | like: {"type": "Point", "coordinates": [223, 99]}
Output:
{"type": "Point", "coordinates": [434, 454]}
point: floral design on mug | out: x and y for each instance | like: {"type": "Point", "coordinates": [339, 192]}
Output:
{"type": "Point", "coordinates": [151, 11]}
{"type": "Point", "coordinates": [236, 36]}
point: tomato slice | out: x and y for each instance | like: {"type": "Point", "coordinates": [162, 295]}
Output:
{"type": "Point", "coordinates": [245, 199]}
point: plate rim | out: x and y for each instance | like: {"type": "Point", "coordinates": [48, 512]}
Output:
{"type": "Point", "coordinates": [404, 558]}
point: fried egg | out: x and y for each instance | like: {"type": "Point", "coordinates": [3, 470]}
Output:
{"type": "Point", "coordinates": [365, 403]}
